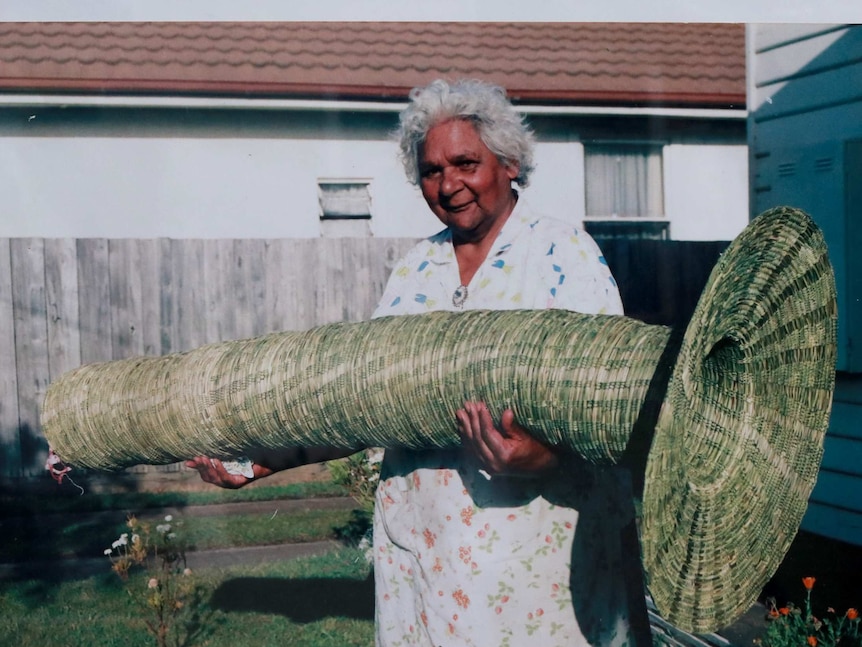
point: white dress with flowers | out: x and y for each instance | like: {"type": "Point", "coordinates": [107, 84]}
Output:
{"type": "Point", "coordinates": [461, 559]}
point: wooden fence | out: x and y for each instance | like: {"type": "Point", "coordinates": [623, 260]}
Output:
{"type": "Point", "coordinates": [67, 302]}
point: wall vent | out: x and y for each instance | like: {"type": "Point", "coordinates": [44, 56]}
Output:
{"type": "Point", "coordinates": [787, 169]}
{"type": "Point", "coordinates": [824, 164]}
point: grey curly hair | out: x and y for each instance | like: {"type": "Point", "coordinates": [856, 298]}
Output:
{"type": "Point", "coordinates": [499, 125]}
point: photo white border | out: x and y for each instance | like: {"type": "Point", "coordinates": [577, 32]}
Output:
{"type": "Point", "coordinates": [441, 10]}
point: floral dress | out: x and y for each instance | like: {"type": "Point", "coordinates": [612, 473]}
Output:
{"type": "Point", "coordinates": [464, 559]}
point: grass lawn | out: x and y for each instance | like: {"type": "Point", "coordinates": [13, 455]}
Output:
{"type": "Point", "coordinates": [324, 601]}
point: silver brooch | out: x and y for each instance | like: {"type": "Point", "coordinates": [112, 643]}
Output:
{"type": "Point", "coordinates": [459, 296]}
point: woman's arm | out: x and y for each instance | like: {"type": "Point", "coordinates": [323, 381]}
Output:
{"type": "Point", "coordinates": [265, 463]}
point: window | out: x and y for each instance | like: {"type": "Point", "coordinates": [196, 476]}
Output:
{"type": "Point", "coordinates": [624, 180]}
{"type": "Point", "coordinates": [624, 191]}
{"type": "Point", "coordinates": [345, 207]}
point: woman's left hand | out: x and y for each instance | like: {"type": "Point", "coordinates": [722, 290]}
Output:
{"type": "Point", "coordinates": [509, 450]}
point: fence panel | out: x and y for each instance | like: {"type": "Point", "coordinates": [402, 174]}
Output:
{"type": "Point", "coordinates": [94, 300]}
{"type": "Point", "coordinates": [61, 293]}
{"type": "Point", "coordinates": [150, 269]}
{"type": "Point", "coordinates": [660, 281]}
{"type": "Point", "coordinates": [31, 345]}
{"type": "Point", "coordinates": [126, 298]}
{"type": "Point", "coordinates": [10, 451]}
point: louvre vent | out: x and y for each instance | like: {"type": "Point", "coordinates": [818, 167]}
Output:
{"type": "Point", "coordinates": [787, 169]}
{"type": "Point", "coordinates": [824, 164]}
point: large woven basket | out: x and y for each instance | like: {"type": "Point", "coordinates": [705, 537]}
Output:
{"type": "Point", "coordinates": [736, 447]}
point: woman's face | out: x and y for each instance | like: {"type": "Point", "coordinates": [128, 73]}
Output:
{"type": "Point", "coordinates": [463, 182]}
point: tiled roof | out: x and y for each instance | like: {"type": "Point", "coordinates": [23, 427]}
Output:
{"type": "Point", "coordinates": [670, 64]}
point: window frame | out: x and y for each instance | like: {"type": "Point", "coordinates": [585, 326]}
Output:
{"type": "Point", "coordinates": [645, 144]}
{"type": "Point", "coordinates": [345, 214]}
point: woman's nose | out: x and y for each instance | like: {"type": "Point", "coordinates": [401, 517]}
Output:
{"type": "Point", "coordinates": [450, 182]}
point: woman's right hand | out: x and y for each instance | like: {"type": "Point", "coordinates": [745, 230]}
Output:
{"type": "Point", "coordinates": [266, 462]}
{"type": "Point", "coordinates": [212, 470]}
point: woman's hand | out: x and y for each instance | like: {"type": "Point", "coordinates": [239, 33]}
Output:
{"type": "Point", "coordinates": [509, 450]}
{"type": "Point", "coordinates": [266, 462]}
{"type": "Point", "coordinates": [212, 470]}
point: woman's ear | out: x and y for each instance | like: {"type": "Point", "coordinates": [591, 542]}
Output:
{"type": "Point", "coordinates": [513, 169]}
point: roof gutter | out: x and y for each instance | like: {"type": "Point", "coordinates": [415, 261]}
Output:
{"type": "Point", "coordinates": [226, 103]}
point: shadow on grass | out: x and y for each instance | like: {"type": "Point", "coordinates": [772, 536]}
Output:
{"type": "Point", "coordinates": [299, 600]}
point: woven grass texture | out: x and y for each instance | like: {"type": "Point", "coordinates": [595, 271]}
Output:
{"type": "Point", "coordinates": [576, 380]}
{"type": "Point", "coordinates": [737, 445]}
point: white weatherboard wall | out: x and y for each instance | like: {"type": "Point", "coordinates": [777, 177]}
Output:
{"type": "Point", "coordinates": [706, 191]}
{"type": "Point", "coordinates": [211, 174]}
{"type": "Point", "coordinates": [124, 187]}
{"type": "Point", "coordinates": [557, 185]}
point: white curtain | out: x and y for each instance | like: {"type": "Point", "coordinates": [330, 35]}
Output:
{"type": "Point", "coordinates": [624, 180]}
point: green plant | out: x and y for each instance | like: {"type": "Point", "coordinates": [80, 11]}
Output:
{"type": "Point", "coordinates": [793, 626]}
{"type": "Point", "coordinates": [169, 588]}
{"type": "Point", "coordinates": [359, 473]}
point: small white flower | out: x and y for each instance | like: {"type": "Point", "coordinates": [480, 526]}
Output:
{"type": "Point", "coordinates": [374, 455]}
{"type": "Point", "coordinates": [153, 583]}
{"type": "Point", "coordinates": [169, 517]}
{"type": "Point", "coordinates": [187, 572]}
{"type": "Point", "coordinates": [171, 535]}
{"type": "Point", "coordinates": [367, 549]}
{"type": "Point", "coordinates": [123, 540]}
{"type": "Point", "coordinates": [108, 551]}
{"type": "Point", "coordinates": [135, 539]}
{"type": "Point", "coordinates": [163, 528]}
{"type": "Point", "coordinates": [116, 544]}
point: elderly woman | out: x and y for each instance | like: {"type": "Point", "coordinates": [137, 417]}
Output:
{"type": "Point", "coordinates": [505, 541]}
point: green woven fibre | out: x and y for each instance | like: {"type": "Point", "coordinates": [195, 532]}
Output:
{"type": "Point", "coordinates": [574, 380]}
{"type": "Point", "coordinates": [746, 412]}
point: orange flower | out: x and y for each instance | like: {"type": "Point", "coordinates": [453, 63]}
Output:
{"type": "Point", "coordinates": [785, 611]}
{"type": "Point", "coordinates": [773, 613]}
{"type": "Point", "coordinates": [808, 582]}
{"type": "Point", "coordinates": [467, 515]}
{"type": "Point", "coordinates": [812, 641]}
{"type": "Point", "coordinates": [461, 598]}
{"type": "Point", "coordinates": [852, 614]}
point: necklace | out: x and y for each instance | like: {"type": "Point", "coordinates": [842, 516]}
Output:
{"type": "Point", "coordinates": [459, 296]}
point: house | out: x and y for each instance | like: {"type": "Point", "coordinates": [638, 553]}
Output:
{"type": "Point", "coordinates": [805, 140]}
{"type": "Point", "coordinates": [252, 130]}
